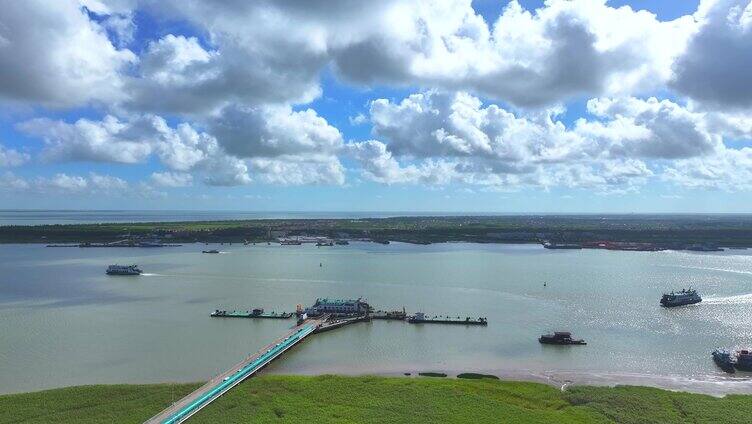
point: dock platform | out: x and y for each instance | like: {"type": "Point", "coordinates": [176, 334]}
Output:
{"type": "Point", "coordinates": [250, 314]}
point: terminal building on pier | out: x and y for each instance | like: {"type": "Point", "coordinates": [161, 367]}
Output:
{"type": "Point", "coordinates": [338, 307]}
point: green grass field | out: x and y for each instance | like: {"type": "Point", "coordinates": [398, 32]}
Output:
{"type": "Point", "coordinates": [335, 399]}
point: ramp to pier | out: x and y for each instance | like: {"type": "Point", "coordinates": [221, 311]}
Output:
{"type": "Point", "coordinates": [183, 409]}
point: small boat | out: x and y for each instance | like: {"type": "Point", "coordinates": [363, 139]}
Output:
{"type": "Point", "coordinates": [684, 297]}
{"type": "Point", "coordinates": [325, 243]}
{"type": "Point", "coordinates": [210, 251]}
{"type": "Point", "coordinates": [743, 360]}
{"type": "Point", "coordinates": [560, 338]}
{"type": "Point", "coordinates": [724, 360]}
{"type": "Point", "coordinates": [123, 270]}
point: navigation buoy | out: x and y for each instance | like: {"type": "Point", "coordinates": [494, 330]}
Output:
{"type": "Point", "coordinates": [320, 264]}
{"type": "Point", "coordinates": [544, 284]}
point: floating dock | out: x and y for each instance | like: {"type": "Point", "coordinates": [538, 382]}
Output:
{"type": "Point", "coordinates": [389, 315]}
{"type": "Point", "coordinates": [256, 313]}
{"type": "Point", "coordinates": [421, 318]}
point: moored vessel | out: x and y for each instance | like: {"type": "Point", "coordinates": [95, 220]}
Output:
{"type": "Point", "coordinates": [123, 270]}
{"type": "Point", "coordinates": [684, 297]}
{"type": "Point", "coordinates": [743, 360]}
{"type": "Point", "coordinates": [724, 360]}
{"type": "Point", "coordinates": [560, 338]}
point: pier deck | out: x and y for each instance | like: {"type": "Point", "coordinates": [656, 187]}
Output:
{"type": "Point", "coordinates": [183, 409]}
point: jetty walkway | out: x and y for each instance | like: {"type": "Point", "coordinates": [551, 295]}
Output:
{"type": "Point", "coordinates": [181, 410]}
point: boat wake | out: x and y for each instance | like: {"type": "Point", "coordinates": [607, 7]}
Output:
{"type": "Point", "coordinates": [149, 274]}
{"type": "Point", "coordinates": [741, 299]}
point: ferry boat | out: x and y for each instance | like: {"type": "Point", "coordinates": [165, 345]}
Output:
{"type": "Point", "coordinates": [560, 338]}
{"type": "Point", "coordinates": [684, 297]}
{"type": "Point", "coordinates": [724, 360]}
{"type": "Point", "coordinates": [123, 270]}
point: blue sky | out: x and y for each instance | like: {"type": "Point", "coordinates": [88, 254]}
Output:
{"type": "Point", "coordinates": [478, 106]}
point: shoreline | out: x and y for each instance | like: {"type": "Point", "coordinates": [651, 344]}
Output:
{"type": "Point", "coordinates": [700, 232]}
{"type": "Point", "coordinates": [718, 387]}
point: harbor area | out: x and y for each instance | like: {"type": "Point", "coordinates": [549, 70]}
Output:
{"type": "Point", "coordinates": [341, 312]}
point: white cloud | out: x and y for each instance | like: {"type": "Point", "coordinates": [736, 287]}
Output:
{"type": "Point", "coordinates": [9, 181]}
{"type": "Point", "coordinates": [62, 183]}
{"type": "Point", "coordinates": [87, 140]}
{"type": "Point", "coordinates": [443, 138]}
{"type": "Point", "coordinates": [107, 183]}
{"type": "Point", "coordinates": [51, 53]}
{"type": "Point", "coordinates": [11, 157]}
{"type": "Point", "coordinates": [172, 179]}
{"type": "Point", "coordinates": [715, 69]}
{"type": "Point", "coordinates": [299, 170]}
{"type": "Point", "coordinates": [730, 170]}
{"type": "Point", "coordinates": [274, 131]}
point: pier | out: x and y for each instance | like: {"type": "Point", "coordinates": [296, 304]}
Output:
{"type": "Point", "coordinates": [329, 314]}
{"type": "Point", "coordinates": [256, 313]}
{"type": "Point", "coordinates": [183, 409]}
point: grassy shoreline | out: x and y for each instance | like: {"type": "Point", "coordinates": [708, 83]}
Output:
{"type": "Point", "coordinates": [667, 231]}
{"type": "Point", "coordinates": [371, 399]}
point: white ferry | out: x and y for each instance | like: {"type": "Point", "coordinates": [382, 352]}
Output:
{"type": "Point", "coordinates": [123, 270]}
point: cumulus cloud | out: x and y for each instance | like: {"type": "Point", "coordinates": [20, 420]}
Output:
{"type": "Point", "coordinates": [133, 140]}
{"type": "Point", "coordinates": [9, 181]}
{"type": "Point", "coordinates": [274, 131]}
{"type": "Point", "coordinates": [730, 170]}
{"type": "Point", "coordinates": [299, 170]}
{"type": "Point", "coordinates": [715, 69]}
{"type": "Point", "coordinates": [51, 53]}
{"type": "Point", "coordinates": [86, 140]}
{"type": "Point", "coordinates": [272, 52]}
{"type": "Point", "coordinates": [171, 179]}
{"type": "Point", "coordinates": [440, 138]}
{"type": "Point", "coordinates": [11, 157]}
{"type": "Point", "coordinates": [63, 183]}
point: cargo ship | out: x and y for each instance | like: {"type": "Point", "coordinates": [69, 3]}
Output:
{"type": "Point", "coordinates": [255, 313]}
{"type": "Point", "coordinates": [684, 297]}
{"type": "Point", "coordinates": [123, 270]}
{"type": "Point", "coordinates": [421, 318]}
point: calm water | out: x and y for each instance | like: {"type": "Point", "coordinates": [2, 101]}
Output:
{"type": "Point", "coordinates": [63, 322]}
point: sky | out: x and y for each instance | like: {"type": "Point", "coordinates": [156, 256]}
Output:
{"type": "Point", "coordinates": [400, 105]}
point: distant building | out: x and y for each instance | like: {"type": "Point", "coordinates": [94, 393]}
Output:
{"type": "Point", "coordinates": [338, 306]}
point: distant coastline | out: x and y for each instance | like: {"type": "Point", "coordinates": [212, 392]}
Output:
{"type": "Point", "coordinates": [614, 232]}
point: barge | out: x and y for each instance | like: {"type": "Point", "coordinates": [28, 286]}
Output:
{"type": "Point", "coordinates": [255, 313]}
{"type": "Point", "coordinates": [421, 318]}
